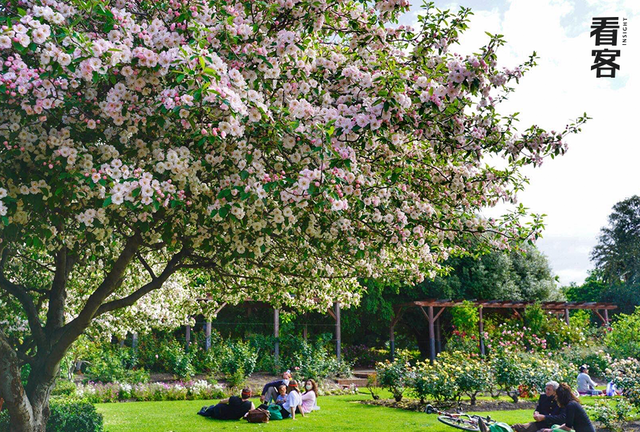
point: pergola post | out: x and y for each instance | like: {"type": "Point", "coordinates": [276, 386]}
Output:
{"type": "Point", "coordinates": [432, 341]}
{"type": "Point", "coordinates": [134, 342]}
{"type": "Point", "coordinates": [207, 336]}
{"type": "Point", "coordinates": [566, 316]}
{"type": "Point", "coordinates": [187, 337]}
{"type": "Point", "coordinates": [338, 334]}
{"type": "Point", "coordinates": [305, 329]}
{"type": "Point", "coordinates": [481, 331]}
{"type": "Point", "coordinates": [606, 317]}
{"type": "Point", "coordinates": [276, 335]}
{"type": "Point", "coordinates": [438, 337]}
{"type": "Point", "coordinates": [392, 342]}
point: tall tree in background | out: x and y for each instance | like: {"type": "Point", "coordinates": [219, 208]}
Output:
{"type": "Point", "coordinates": [616, 278]}
{"type": "Point", "coordinates": [498, 275]}
{"type": "Point", "coordinates": [617, 254]}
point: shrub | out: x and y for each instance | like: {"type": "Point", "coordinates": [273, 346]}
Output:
{"type": "Point", "coordinates": [64, 388]}
{"type": "Point", "coordinates": [609, 414]}
{"type": "Point", "coordinates": [435, 382]}
{"type": "Point", "coordinates": [626, 376]}
{"type": "Point", "coordinates": [108, 363]}
{"type": "Point", "coordinates": [593, 356]}
{"type": "Point", "coordinates": [66, 415]}
{"type": "Point", "coordinates": [509, 373]}
{"type": "Point", "coordinates": [473, 376]}
{"type": "Point", "coordinates": [465, 317]}
{"type": "Point", "coordinates": [395, 376]}
{"type": "Point", "coordinates": [538, 370]}
{"type": "Point", "coordinates": [623, 340]}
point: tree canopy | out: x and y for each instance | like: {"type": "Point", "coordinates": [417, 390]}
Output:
{"type": "Point", "coordinates": [279, 148]}
{"type": "Point", "coordinates": [617, 254]}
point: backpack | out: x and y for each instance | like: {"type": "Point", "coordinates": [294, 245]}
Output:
{"type": "Point", "coordinates": [275, 412]}
{"type": "Point", "coordinates": [500, 427]}
{"type": "Point", "coordinates": [258, 415]}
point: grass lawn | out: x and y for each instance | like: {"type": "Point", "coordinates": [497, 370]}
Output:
{"type": "Point", "coordinates": [341, 413]}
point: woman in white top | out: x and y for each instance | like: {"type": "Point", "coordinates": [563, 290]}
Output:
{"type": "Point", "coordinates": [310, 396]}
{"type": "Point", "coordinates": [293, 402]}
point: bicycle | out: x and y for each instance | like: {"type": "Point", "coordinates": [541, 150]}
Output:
{"type": "Point", "coordinates": [467, 422]}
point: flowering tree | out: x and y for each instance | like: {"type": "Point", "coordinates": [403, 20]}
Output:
{"type": "Point", "coordinates": [281, 148]}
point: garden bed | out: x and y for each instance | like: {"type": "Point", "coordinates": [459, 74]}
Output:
{"type": "Point", "coordinates": [480, 406]}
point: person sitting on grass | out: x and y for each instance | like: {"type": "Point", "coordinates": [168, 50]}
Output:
{"type": "Point", "coordinates": [282, 395]}
{"type": "Point", "coordinates": [577, 418]}
{"type": "Point", "coordinates": [547, 411]}
{"type": "Point", "coordinates": [586, 386]}
{"type": "Point", "coordinates": [293, 402]}
{"type": "Point", "coordinates": [233, 408]}
{"type": "Point", "coordinates": [310, 396]}
{"type": "Point", "coordinates": [270, 390]}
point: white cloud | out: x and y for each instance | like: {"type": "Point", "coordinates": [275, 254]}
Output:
{"type": "Point", "coordinates": [578, 190]}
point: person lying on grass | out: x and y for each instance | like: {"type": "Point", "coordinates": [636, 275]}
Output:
{"type": "Point", "coordinates": [293, 402]}
{"type": "Point", "coordinates": [233, 408]}
{"type": "Point", "coordinates": [547, 411]}
{"type": "Point", "coordinates": [270, 390]}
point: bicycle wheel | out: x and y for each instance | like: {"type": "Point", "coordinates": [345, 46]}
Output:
{"type": "Point", "coordinates": [460, 423]}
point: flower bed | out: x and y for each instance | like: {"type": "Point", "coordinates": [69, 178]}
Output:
{"type": "Point", "coordinates": [116, 392]}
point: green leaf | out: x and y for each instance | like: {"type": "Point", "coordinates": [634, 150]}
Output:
{"type": "Point", "coordinates": [106, 202]}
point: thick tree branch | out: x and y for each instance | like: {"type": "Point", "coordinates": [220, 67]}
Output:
{"type": "Point", "coordinates": [21, 293]}
{"type": "Point", "coordinates": [146, 265]}
{"type": "Point", "coordinates": [58, 294]}
{"type": "Point", "coordinates": [72, 330]}
{"type": "Point", "coordinates": [156, 282]}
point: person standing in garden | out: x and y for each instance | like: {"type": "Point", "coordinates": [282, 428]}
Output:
{"type": "Point", "coordinates": [577, 418]}
{"type": "Point", "coordinates": [270, 389]}
{"type": "Point", "coordinates": [547, 411]}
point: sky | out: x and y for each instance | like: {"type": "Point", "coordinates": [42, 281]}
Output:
{"type": "Point", "coordinates": [577, 191]}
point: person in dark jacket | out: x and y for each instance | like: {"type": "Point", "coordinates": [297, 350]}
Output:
{"type": "Point", "coordinates": [577, 418]}
{"type": "Point", "coordinates": [270, 390]}
{"type": "Point", "coordinates": [233, 408]}
{"type": "Point", "coordinates": [547, 411]}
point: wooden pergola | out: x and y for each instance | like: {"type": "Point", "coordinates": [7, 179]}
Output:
{"type": "Point", "coordinates": [432, 309]}
{"type": "Point", "coordinates": [334, 312]}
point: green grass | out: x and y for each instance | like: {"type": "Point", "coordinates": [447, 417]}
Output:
{"type": "Point", "coordinates": [341, 413]}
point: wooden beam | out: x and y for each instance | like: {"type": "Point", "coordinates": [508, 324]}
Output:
{"type": "Point", "coordinates": [438, 314]}
{"type": "Point", "coordinates": [207, 336]}
{"type": "Point", "coordinates": [338, 332]}
{"type": "Point", "coordinates": [276, 335]}
{"type": "Point", "coordinates": [432, 340]}
{"type": "Point", "coordinates": [604, 321]}
{"type": "Point", "coordinates": [215, 314]}
{"type": "Point", "coordinates": [187, 337]}
{"type": "Point", "coordinates": [481, 331]}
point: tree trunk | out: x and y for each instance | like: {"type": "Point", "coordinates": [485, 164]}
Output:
{"type": "Point", "coordinates": [28, 409]}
